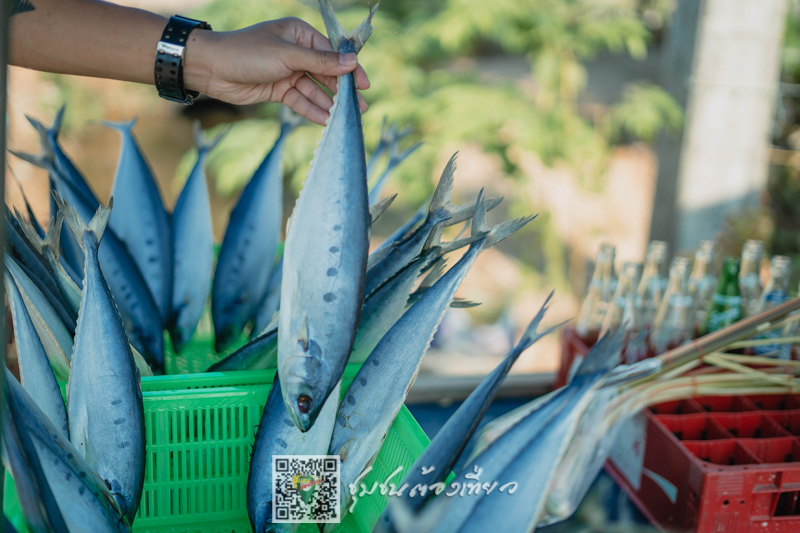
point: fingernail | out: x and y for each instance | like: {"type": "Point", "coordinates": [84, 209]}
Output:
{"type": "Point", "coordinates": [347, 59]}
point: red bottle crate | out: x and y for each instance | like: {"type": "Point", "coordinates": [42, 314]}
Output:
{"type": "Point", "coordinates": [714, 464]}
{"type": "Point", "coordinates": [720, 465]}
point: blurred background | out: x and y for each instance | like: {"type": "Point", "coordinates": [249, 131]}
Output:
{"type": "Point", "coordinates": [617, 121]}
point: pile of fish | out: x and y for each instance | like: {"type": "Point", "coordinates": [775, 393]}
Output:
{"type": "Point", "coordinates": [91, 301]}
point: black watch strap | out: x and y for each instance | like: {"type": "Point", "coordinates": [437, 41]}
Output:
{"type": "Point", "coordinates": [169, 59]}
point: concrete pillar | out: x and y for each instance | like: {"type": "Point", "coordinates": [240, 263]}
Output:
{"type": "Point", "coordinates": [721, 62]}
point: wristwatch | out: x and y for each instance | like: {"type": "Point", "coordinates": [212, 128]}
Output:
{"type": "Point", "coordinates": [169, 59]}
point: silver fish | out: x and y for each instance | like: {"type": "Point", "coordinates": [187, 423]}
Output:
{"type": "Point", "coordinates": [250, 242]}
{"type": "Point", "coordinates": [140, 219]}
{"type": "Point", "coordinates": [139, 312]}
{"type": "Point", "coordinates": [277, 435]}
{"type": "Point", "coordinates": [55, 337]}
{"type": "Point", "coordinates": [384, 263]}
{"type": "Point", "coordinates": [193, 249]}
{"type": "Point", "coordinates": [36, 500]}
{"type": "Point", "coordinates": [83, 499]}
{"type": "Point", "coordinates": [34, 367]}
{"type": "Point", "coordinates": [106, 413]}
{"type": "Point", "coordinates": [447, 446]}
{"type": "Point", "coordinates": [325, 252]}
{"type": "Point", "coordinates": [381, 385]}
{"type": "Point", "coordinates": [527, 454]}
{"type": "Point", "coordinates": [34, 265]}
{"type": "Point", "coordinates": [49, 247]}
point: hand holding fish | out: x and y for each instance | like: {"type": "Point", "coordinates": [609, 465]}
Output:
{"type": "Point", "coordinates": [274, 61]}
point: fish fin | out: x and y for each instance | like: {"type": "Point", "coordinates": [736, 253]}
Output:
{"type": "Point", "coordinates": [31, 234]}
{"type": "Point", "coordinates": [58, 120]}
{"type": "Point", "coordinates": [436, 272]}
{"type": "Point", "coordinates": [444, 189]}
{"type": "Point", "coordinates": [302, 332]}
{"type": "Point", "coordinates": [122, 127]}
{"type": "Point", "coordinates": [71, 217]}
{"type": "Point", "coordinates": [200, 142]}
{"type": "Point", "coordinates": [336, 33]}
{"type": "Point", "coordinates": [531, 335]}
{"type": "Point", "coordinates": [28, 209]}
{"type": "Point", "coordinates": [52, 238]}
{"type": "Point", "coordinates": [380, 207]}
{"type": "Point", "coordinates": [77, 225]}
{"type": "Point", "coordinates": [40, 160]}
{"type": "Point", "coordinates": [395, 159]}
{"type": "Point", "coordinates": [604, 355]}
{"type": "Point", "coordinates": [456, 303]}
{"type": "Point", "coordinates": [462, 303]}
{"type": "Point", "coordinates": [290, 120]}
{"type": "Point", "coordinates": [497, 233]}
{"type": "Point", "coordinates": [99, 221]}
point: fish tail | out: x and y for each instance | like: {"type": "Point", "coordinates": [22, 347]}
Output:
{"type": "Point", "coordinates": [604, 355]}
{"type": "Point", "coordinates": [55, 129]}
{"type": "Point", "coordinates": [203, 146]}
{"type": "Point", "coordinates": [443, 194]}
{"type": "Point", "coordinates": [43, 160]}
{"type": "Point", "coordinates": [30, 233]}
{"type": "Point", "coordinates": [531, 335]}
{"type": "Point", "coordinates": [380, 207]}
{"type": "Point", "coordinates": [77, 225]}
{"type": "Point", "coordinates": [336, 33]}
{"type": "Point", "coordinates": [122, 127]}
{"type": "Point", "coordinates": [52, 239]}
{"type": "Point", "coordinates": [497, 233]}
{"type": "Point", "coordinates": [396, 157]}
{"type": "Point", "coordinates": [290, 120]}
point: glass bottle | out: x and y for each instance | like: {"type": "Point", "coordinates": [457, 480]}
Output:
{"type": "Point", "coordinates": [702, 281]}
{"type": "Point", "coordinates": [726, 303]}
{"type": "Point", "coordinates": [750, 275]}
{"type": "Point", "coordinates": [776, 291]}
{"type": "Point", "coordinates": [651, 287]}
{"type": "Point", "coordinates": [674, 322]}
{"type": "Point", "coordinates": [598, 297]}
{"type": "Point", "coordinates": [624, 310]}
{"type": "Point", "coordinates": [792, 329]}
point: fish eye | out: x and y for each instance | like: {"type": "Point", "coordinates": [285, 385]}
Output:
{"type": "Point", "coordinates": [304, 403]}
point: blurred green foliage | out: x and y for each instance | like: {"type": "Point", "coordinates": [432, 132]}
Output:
{"type": "Point", "coordinates": [426, 62]}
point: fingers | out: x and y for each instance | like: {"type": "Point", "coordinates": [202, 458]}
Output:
{"type": "Point", "coordinates": [362, 81]}
{"type": "Point", "coordinates": [302, 106]}
{"type": "Point", "coordinates": [314, 93]}
{"type": "Point", "coordinates": [305, 36]}
{"type": "Point", "coordinates": [319, 62]}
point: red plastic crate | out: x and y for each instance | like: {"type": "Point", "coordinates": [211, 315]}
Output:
{"type": "Point", "coordinates": [713, 464]}
{"type": "Point", "coordinates": [721, 465]}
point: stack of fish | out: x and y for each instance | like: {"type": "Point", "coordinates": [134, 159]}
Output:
{"type": "Point", "coordinates": [79, 468]}
{"type": "Point", "coordinates": [324, 302]}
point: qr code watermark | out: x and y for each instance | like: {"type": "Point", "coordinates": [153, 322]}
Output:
{"type": "Point", "coordinates": [306, 488]}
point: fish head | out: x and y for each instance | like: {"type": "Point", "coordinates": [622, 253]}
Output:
{"type": "Point", "coordinates": [304, 384]}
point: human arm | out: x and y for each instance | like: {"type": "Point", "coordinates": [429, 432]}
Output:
{"type": "Point", "coordinates": [267, 62]}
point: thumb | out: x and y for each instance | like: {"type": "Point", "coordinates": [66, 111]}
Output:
{"type": "Point", "coordinates": [318, 61]}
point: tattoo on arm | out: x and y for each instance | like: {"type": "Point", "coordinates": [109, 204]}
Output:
{"type": "Point", "coordinates": [20, 6]}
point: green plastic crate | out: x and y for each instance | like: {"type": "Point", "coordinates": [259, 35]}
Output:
{"type": "Point", "coordinates": [200, 430]}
